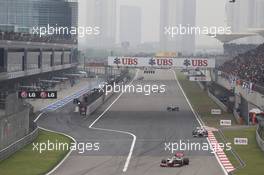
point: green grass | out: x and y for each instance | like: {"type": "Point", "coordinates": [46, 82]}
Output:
{"type": "Point", "coordinates": [202, 103]}
{"type": "Point", "coordinates": [29, 162]}
{"type": "Point", "coordinates": [229, 154]}
{"type": "Point", "coordinates": [250, 154]}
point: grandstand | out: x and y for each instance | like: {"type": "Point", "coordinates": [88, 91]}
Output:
{"type": "Point", "coordinates": [233, 49]}
{"type": "Point", "coordinates": [248, 66]}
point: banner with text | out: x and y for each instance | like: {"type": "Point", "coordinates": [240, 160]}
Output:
{"type": "Point", "coordinates": [161, 62]}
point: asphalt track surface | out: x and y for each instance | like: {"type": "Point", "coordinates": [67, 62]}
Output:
{"type": "Point", "coordinates": [143, 116]}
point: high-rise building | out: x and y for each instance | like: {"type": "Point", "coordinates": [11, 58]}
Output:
{"type": "Point", "coordinates": [260, 13]}
{"type": "Point", "coordinates": [102, 14]}
{"type": "Point", "coordinates": [176, 13]}
{"type": "Point", "coordinates": [21, 16]}
{"type": "Point", "coordinates": [241, 15]}
{"type": "Point", "coordinates": [244, 15]}
{"type": "Point", "coordinates": [130, 25]}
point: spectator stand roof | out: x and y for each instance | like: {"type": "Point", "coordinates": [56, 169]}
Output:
{"type": "Point", "coordinates": [226, 38]}
{"type": "Point", "coordinates": [259, 31]}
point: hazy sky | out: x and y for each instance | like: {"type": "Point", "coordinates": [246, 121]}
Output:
{"type": "Point", "coordinates": [208, 13]}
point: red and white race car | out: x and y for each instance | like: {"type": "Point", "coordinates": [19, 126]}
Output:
{"type": "Point", "coordinates": [178, 160]}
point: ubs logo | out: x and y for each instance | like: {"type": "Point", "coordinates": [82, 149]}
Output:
{"type": "Point", "coordinates": [196, 62]}
{"type": "Point", "coordinates": [187, 63]}
{"type": "Point", "coordinates": [117, 61]}
{"type": "Point", "coordinates": [152, 62]}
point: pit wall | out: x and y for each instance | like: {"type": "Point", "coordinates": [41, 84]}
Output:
{"type": "Point", "coordinates": [97, 103]}
{"type": "Point", "coordinates": [101, 100]}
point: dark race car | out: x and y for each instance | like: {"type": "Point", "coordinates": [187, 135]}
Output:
{"type": "Point", "coordinates": [140, 78]}
{"type": "Point", "coordinates": [173, 108]}
{"type": "Point", "coordinates": [178, 160]}
{"type": "Point", "coordinates": [200, 132]}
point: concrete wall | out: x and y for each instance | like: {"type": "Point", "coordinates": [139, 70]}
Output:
{"type": "Point", "coordinates": [259, 141]}
{"type": "Point", "coordinates": [254, 97]}
{"type": "Point", "coordinates": [13, 104]}
{"type": "Point", "coordinates": [201, 85]}
{"type": "Point", "coordinates": [237, 117]}
{"type": "Point", "coordinates": [14, 61]}
{"type": "Point", "coordinates": [67, 57]}
{"type": "Point", "coordinates": [218, 102]}
{"type": "Point", "coordinates": [19, 144]}
{"type": "Point", "coordinates": [13, 127]}
{"type": "Point", "coordinates": [57, 58]}
{"type": "Point", "coordinates": [33, 60]}
{"type": "Point", "coordinates": [97, 103]}
{"type": "Point", "coordinates": [46, 59]}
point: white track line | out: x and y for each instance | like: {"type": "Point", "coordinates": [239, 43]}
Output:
{"type": "Point", "coordinates": [117, 131]}
{"type": "Point", "coordinates": [197, 118]}
{"type": "Point", "coordinates": [68, 154]}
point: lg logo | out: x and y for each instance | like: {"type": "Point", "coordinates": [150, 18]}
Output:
{"type": "Point", "coordinates": [38, 94]}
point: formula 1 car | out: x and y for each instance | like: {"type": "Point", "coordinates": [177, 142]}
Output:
{"type": "Point", "coordinates": [173, 108]}
{"type": "Point", "coordinates": [140, 78]}
{"type": "Point", "coordinates": [178, 160]}
{"type": "Point", "coordinates": [200, 132]}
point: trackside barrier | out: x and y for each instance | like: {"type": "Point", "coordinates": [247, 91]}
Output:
{"type": "Point", "coordinates": [237, 117]}
{"type": "Point", "coordinates": [201, 85]}
{"type": "Point", "coordinates": [97, 103]}
{"type": "Point", "coordinates": [16, 146]}
{"type": "Point", "coordinates": [260, 141]}
{"type": "Point", "coordinates": [217, 101]}
{"type": "Point", "coordinates": [254, 97]}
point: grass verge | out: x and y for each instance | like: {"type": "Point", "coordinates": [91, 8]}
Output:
{"type": "Point", "coordinates": [250, 154]}
{"type": "Point", "coordinates": [202, 103]}
{"type": "Point", "coordinates": [29, 162]}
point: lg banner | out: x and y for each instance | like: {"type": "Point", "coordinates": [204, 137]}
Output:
{"type": "Point", "coordinates": [37, 94]}
{"type": "Point", "coordinates": [161, 62]}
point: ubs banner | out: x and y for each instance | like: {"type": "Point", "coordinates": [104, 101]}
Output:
{"type": "Point", "coordinates": [162, 62]}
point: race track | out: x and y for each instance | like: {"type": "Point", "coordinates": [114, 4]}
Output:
{"type": "Point", "coordinates": [133, 117]}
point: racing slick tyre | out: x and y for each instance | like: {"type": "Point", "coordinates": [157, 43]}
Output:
{"type": "Point", "coordinates": [164, 161]}
{"type": "Point", "coordinates": [185, 161]}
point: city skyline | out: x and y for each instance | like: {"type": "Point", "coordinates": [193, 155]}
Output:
{"type": "Point", "coordinates": [151, 19]}
{"type": "Point", "coordinates": [130, 25]}
{"type": "Point", "coordinates": [151, 15]}
{"type": "Point", "coordinates": [174, 13]}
